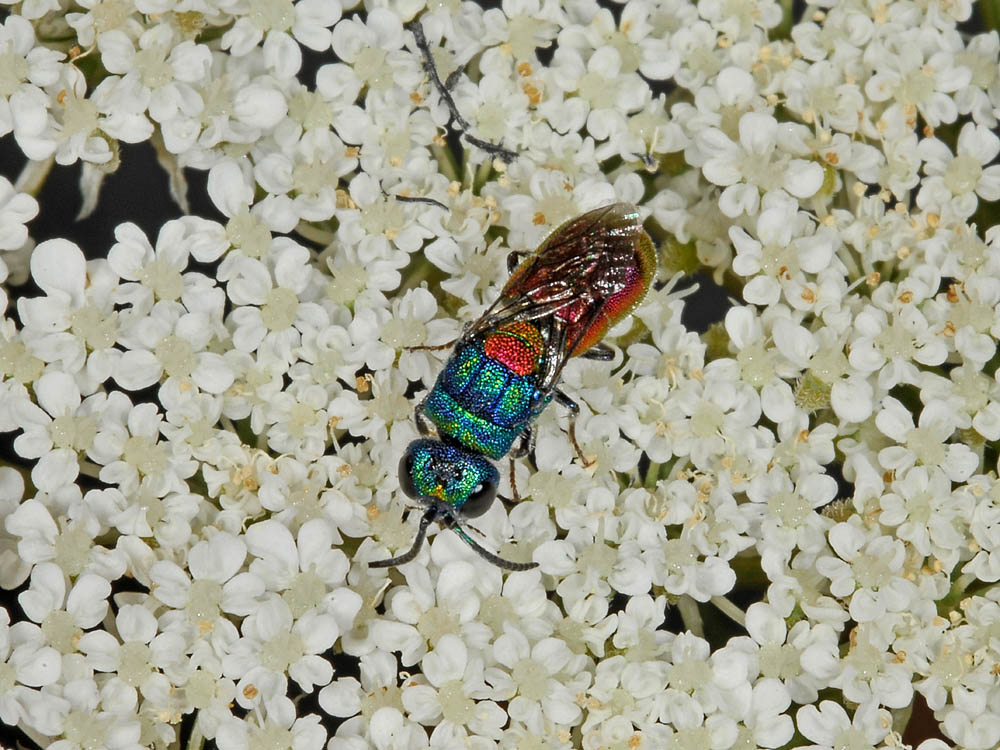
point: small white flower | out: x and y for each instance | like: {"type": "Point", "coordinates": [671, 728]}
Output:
{"type": "Point", "coordinates": [742, 20]}
{"type": "Point", "coordinates": [868, 570]}
{"type": "Point", "coordinates": [829, 726]}
{"type": "Point", "coordinates": [278, 719]}
{"type": "Point", "coordinates": [69, 543]}
{"type": "Point", "coordinates": [608, 89]}
{"type": "Point", "coordinates": [74, 322]}
{"type": "Point", "coordinates": [926, 513]}
{"type": "Point", "coordinates": [524, 25]}
{"type": "Point", "coordinates": [924, 443]}
{"type": "Point", "coordinates": [306, 571]}
{"type": "Point", "coordinates": [16, 210]}
{"type": "Point", "coordinates": [891, 342]}
{"type": "Point", "coordinates": [301, 181]}
{"type": "Point", "coordinates": [345, 696]}
{"type": "Point", "coordinates": [820, 93]}
{"type": "Point", "coordinates": [28, 67]}
{"type": "Point", "coordinates": [873, 674]}
{"type": "Point", "coordinates": [274, 641]}
{"type": "Point", "coordinates": [980, 56]}
{"type": "Point", "coordinates": [954, 182]}
{"type": "Point", "coordinates": [127, 446]}
{"type": "Point", "coordinates": [916, 77]}
{"type": "Point", "coordinates": [28, 664]}
{"type": "Point", "coordinates": [211, 584]}
{"type": "Point", "coordinates": [272, 20]}
{"type": "Point", "coordinates": [92, 23]}
{"type": "Point", "coordinates": [159, 73]}
{"type": "Point", "coordinates": [371, 49]}
{"type": "Point", "coordinates": [541, 681]}
{"type": "Point", "coordinates": [56, 431]}
{"type": "Point", "coordinates": [375, 416]}
{"type": "Point", "coordinates": [67, 614]}
{"type": "Point", "coordinates": [762, 161]}
{"type": "Point", "coordinates": [378, 224]}
{"type": "Point", "coordinates": [140, 658]}
{"type": "Point", "coordinates": [452, 698]}
{"type": "Point", "coordinates": [788, 517]}
{"type": "Point", "coordinates": [425, 610]}
{"type": "Point", "coordinates": [695, 41]}
{"type": "Point", "coordinates": [805, 657]}
{"type": "Point", "coordinates": [13, 569]}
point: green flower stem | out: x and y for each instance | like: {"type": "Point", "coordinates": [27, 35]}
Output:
{"type": "Point", "coordinates": [33, 176]}
{"type": "Point", "coordinates": [482, 174]}
{"type": "Point", "coordinates": [90, 469]}
{"type": "Point", "coordinates": [652, 476]}
{"type": "Point", "coordinates": [37, 737]}
{"type": "Point", "coordinates": [730, 610]}
{"type": "Point", "coordinates": [901, 718]}
{"type": "Point", "coordinates": [197, 740]}
{"type": "Point", "coordinates": [958, 592]}
{"type": "Point", "coordinates": [446, 162]}
{"type": "Point", "coordinates": [691, 615]}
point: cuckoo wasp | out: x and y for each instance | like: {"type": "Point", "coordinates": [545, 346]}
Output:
{"type": "Point", "coordinates": [558, 303]}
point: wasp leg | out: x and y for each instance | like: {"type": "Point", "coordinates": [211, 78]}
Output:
{"type": "Point", "coordinates": [566, 401]}
{"type": "Point", "coordinates": [452, 80]}
{"type": "Point", "coordinates": [526, 445]}
{"type": "Point", "coordinates": [576, 446]}
{"type": "Point", "coordinates": [574, 409]}
{"type": "Point", "coordinates": [600, 352]}
{"type": "Point", "coordinates": [443, 88]}
{"type": "Point", "coordinates": [513, 487]}
{"type": "Point", "coordinates": [514, 258]}
{"type": "Point", "coordinates": [423, 423]}
{"type": "Point", "coordinates": [417, 199]}
{"type": "Point", "coordinates": [427, 348]}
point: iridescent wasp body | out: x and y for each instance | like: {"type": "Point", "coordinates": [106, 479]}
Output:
{"type": "Point", "coordinates": [504, 370]}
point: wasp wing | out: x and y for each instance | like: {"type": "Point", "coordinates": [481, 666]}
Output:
{"type": "Point", "coordinates": [572, 277]}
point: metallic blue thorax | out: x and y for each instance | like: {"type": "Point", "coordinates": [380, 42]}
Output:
{"type": "Point", "coordinates": [488, 391]}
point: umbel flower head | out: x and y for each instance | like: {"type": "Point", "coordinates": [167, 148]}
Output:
{"type": "Point", "coordinates": [773, 519]}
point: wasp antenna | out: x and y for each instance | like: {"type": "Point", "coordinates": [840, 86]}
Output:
{"type": "Point", "coordinates": [489, 556]}
{"type": "Point", "coordinates": [406, 557]}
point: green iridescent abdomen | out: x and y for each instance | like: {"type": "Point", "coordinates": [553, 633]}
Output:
{"type": "Point", "coordinates": [488, 391]}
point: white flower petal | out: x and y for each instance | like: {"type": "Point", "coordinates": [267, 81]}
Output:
{"type": "Point", "coordinates": [58, 267]}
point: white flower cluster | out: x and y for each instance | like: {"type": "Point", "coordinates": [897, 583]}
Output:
{"type": "Point", "coordinates": [206, 424]}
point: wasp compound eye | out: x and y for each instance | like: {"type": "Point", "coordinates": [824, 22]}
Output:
{"type": "Point", "coordinates": [481, 497]}
{"type": "Point", "coordinates": [406, 475]}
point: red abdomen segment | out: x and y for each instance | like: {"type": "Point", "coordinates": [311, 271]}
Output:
{"type": "Point", "coordinates": [518, 346]}
{"type": "Point", "coordinates": [635, 283]}
{"type": "Point", "coordinates": [600, 265]}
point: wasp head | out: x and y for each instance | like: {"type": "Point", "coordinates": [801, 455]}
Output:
{"type": "Point", "coordinates": [453, 484]}
{"type": "Point", "coordinates": [447, 475]}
